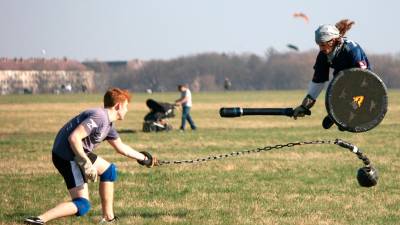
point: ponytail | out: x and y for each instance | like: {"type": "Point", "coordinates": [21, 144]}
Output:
{"type": "Point", "coordinates": [343, 26]}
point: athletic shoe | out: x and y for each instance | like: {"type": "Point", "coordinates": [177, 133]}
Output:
{"type": "Point", "coordinates": [327, 122]}
{"type": "Point", "coordinates": [114, 220]}
{"type": "Point", "coordinates": [34, 220]}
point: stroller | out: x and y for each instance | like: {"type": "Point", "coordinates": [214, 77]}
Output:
{"type": "Point", "coordinates": [157, 119]}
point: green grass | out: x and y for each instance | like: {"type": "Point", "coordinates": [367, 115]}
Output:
{"type": "Point", "coordinates": [313, 184]}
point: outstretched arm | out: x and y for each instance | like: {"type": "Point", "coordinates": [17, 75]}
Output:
{"type": "Point", "coordinates": [314, 89]}
{"type": "Point", "coordinates": [181, 100]}
{"type": "Point", "coordinates": [126, 150]}
{"type": "Point", "coordinates": [143, 158]}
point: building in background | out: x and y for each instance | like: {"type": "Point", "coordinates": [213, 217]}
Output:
{"type": "Point", "coordinates": [38, 75]}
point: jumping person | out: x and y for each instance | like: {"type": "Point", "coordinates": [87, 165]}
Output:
{"type": "Point", "coordinates": [186, 101]}
{"type": "Point", "coordinates": [74, 159]}
{"type": "Point", "coordinates": [337, 52]}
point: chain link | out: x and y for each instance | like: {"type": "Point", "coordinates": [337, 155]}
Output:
{"type": "Point", "coordinates": [239, 153]}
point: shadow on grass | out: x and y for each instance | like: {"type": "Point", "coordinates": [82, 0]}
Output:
{"type": "Point", "coordinates": [141, 212]}
{"type": "Point", "coordinates": [126, 131]}
{"type": "Point", "coordinates": [148, 213]}
{"type": "Point", "coordinates": [17, 217]}
{"type": "Point", "coordinates": [157, 214]}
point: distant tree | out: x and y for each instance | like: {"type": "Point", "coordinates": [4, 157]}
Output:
{"type": "Point", "coordinates": [207, 71]}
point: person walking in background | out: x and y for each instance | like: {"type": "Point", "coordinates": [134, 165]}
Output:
{"type": "Point", "coordinates": [73, 157]}
{"type": "Point", "coordinates": [337, 52]}
{"type": "Point", "coordinates": [186, 102]}
{"type": "Point", "coordinates": [227, 84]}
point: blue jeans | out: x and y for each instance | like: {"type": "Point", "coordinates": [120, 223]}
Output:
{"type": "Point", "coordinates": [186, 116]}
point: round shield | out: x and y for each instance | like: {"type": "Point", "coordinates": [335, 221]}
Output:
{"type": "Point", "coordinates": [356, 100]}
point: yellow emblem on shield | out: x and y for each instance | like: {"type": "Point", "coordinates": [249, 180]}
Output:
{"type": "Point", "coordinates": [358, 100]}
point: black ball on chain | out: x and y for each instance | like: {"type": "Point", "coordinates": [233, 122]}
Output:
{"type": "Point", "coordinates": [367, 176]}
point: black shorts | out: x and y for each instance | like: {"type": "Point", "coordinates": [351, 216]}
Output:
{"type": "Point", "coordinates": [72, 174]}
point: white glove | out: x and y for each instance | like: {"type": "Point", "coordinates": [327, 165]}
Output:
{"type": "Point", "coordinates": [89, 170]}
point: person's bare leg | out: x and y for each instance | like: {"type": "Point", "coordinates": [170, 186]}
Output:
{"type": "Point", "coordinates": [106, 190]}
{"type": "Point", "coordinates": [66, 208]}
{"type": "Point", "coordinates": [61, 210]}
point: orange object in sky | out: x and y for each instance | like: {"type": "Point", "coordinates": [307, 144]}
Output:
{"type": "Point", "coordinates": [301, 15]}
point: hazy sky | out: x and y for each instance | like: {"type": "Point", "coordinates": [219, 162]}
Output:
{"type": "Point", "coordinates": [165, 29]}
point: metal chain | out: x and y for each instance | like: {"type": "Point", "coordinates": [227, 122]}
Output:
{"type": "Point", "coordinates": [245, 152]}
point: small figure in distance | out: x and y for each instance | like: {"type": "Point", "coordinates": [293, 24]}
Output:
{"type": "Point", "coordinates": [186, 102]}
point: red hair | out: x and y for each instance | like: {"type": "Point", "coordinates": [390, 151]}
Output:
{"type": "Point", "coordinates": [343, 26]}
{"type": "Point", "coordinates": [114, 96]}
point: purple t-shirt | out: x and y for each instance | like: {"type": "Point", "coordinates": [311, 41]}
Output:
{"type": "Point", "coordinates": [97, 125]}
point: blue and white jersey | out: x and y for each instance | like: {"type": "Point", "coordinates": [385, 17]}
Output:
{"type": "Point", "coordinates": [350, 55]}
{"type": "Point", "coordinates": [97, 126]}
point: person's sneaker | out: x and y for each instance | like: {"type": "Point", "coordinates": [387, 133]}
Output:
{"type": "Point", "coordinates": [327, 122]}
{"type": "Point", "coordinates": [114, 220]}
{"type": "Point", "coordinates": [33, 220]}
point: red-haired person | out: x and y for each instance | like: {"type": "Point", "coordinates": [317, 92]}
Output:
{"type": "Point", "coordinates": [337, 52]}
{"type": "Point", "coordinates": [74, 159]}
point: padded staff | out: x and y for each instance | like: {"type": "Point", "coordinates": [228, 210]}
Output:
{"type": "Point", "coordinates": [238, 111]}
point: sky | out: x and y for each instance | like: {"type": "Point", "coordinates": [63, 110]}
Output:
{"type": "Point", "coordinates": [166, 29]}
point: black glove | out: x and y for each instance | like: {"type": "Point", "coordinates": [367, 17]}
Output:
{"type": "Point", "coordinates": [150, 161]}
{"type": "Point", "coordinates": [304, 108]}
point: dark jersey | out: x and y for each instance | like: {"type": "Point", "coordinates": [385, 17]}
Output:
{"type": "Point", "coordinates": [97, 126]}
{"type": "Point", "coordinates": [350, 55]}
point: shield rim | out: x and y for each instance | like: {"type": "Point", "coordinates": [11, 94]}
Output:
{"type": "Point", "coordinates": [329, 106]}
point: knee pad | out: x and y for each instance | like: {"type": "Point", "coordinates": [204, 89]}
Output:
{"type": "Point", "coordinates": [110, 174]}
{"type": "Point", "coordinates": [83, 206]}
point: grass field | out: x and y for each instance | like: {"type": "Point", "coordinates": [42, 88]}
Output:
{"type": "Point", "coordinates": [312, 184]}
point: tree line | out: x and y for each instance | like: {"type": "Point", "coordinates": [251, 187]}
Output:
{"type": "Point", "coordinates": [208, 72]}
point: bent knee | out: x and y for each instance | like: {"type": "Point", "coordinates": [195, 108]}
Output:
{"type": "Point", "coordinates": [83, 206]}
{"type": "Point", "coordinates": [110, 174]}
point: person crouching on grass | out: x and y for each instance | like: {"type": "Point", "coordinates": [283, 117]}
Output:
{"type": "Point", "coordinates": [73, 157]}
